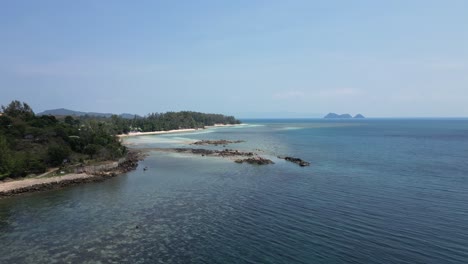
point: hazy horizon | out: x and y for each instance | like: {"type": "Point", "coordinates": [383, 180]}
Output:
{"type": "Point", "coordinates": [272, 115]}
{"type": "Point", "coordinates": [254, 58]}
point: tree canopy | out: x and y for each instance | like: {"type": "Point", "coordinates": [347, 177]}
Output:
{"type": "Point", "coordinates": [29, 144]}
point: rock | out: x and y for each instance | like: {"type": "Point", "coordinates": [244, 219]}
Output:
{"type": "Point", "coordinates": [250, 157]}
{"type": "Point", "coordinates": [216, 142]}
{"type": "Point", "coordinates": [255, 160]}
{"type": "Point", "coordinates": [298, 161]}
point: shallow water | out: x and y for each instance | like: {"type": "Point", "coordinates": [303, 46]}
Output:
{"type": "Point", "coordinates": [378, 191]}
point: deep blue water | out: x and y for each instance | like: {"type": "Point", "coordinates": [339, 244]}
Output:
{"type": "Point", "coordinates": [378, 191]}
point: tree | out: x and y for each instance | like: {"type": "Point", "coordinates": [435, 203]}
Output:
{"type": "Point", "coordinates": [18, 109]}
{"type": "Point", "coordinates": [69, 120]}
{"type": "Point", "coordinates": [57, 153]}
{"type": "Point", "coordinates": [91, 150]}
{"type": "Point", "coordinates": [6, 161]}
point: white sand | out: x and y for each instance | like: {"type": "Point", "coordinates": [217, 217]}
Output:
{"type": "Point", "coordinates": [185, 130]}
{"type": "Point", "coordinates": [132, 134]}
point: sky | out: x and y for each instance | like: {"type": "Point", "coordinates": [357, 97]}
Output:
{"type": "Point", "coordinates": [399, 58]}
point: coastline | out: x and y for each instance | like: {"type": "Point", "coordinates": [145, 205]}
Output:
{"type": "Point", "coordinates": [183, 130]}
{"type": "Point", "coordinates": [20, 186]}
{"type": "Point", "coordinates": [133, 134]}
{"type": "Point", "coordinates": [28, 185]}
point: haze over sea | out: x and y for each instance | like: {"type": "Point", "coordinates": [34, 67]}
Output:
{"type": "Point", "coordinates": [378, 191]}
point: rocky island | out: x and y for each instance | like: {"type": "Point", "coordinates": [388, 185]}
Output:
{"type": "Point", "coordinates": [342, 116]}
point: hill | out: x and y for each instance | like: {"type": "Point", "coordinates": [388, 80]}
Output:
{"type": "Point", "coordinates": [68, 112]}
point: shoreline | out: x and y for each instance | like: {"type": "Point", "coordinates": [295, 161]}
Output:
{"type": "Point", "coordinates": [38, 184]}
{"type": "Point", "coordinates": [183, 130]}
{"type": "Point", "coordinates": [29, 185]}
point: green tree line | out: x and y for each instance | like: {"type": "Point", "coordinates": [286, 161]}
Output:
{"type": "Point", "coordinates": [29, 144]}
{"type": "Point", "coordinates": [169, 121]}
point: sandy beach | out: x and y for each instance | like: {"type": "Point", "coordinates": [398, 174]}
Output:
{"type": "Point", "coordinates": [133, 134]}
{"type": "Point", "coordinates": [185, 130]}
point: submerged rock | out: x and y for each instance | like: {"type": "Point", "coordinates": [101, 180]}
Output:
{"type": "Point", "coordinates": [248, 157]}
{"type": "Point", "coordinates": [255, 160]}
{"type": "Point", "coordinates": [216, 142]}
{"type": "Point", "coordinates": [298, 161]}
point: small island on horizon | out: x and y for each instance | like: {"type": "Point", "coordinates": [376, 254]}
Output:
{"type": "Point", "coordinates": [342, 116]}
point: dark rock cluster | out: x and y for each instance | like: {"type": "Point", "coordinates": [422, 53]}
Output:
{"type": "Point", "coordinates": [298, 161]}
{"type": "Point", "coordinates": [209, 152]}
{"type": "Point", "coordinates": [255, 160]}
{"type": "Point", "coordinates": [216, 142]}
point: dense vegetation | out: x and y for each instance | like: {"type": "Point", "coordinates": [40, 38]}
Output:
{"type": "Point", "coordinates": [29, 144]}
{"type": "Point", "coordinates": [169, 121]}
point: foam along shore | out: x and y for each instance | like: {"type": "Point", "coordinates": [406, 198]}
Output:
{"type": "Point", "coordinates": [184, 130]}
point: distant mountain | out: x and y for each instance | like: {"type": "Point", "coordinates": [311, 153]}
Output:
{"type": "Point", "coordinates": [62, 112]}
{"type": "Point", "coordinates": [334, 115]}
{"type": "Point", "coordinates": [65, 112]}
{"type": "Point", "coordinates": [128, 116]}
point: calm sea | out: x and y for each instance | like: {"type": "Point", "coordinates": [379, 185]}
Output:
{"type": "Point", "coordinates": [377, 191]}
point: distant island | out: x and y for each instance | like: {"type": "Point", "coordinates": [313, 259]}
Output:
{"type": "Point", "coordinates": [342, 116]}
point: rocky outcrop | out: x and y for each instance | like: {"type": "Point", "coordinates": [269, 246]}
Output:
{"type": "Point", "coordinates": [298, 161]}
{"type": "Point", "coordinates": [250, 157]}
{"type": "Point", "coordinates": [209, 152]}
{"type": "Point", "coordinates": [255, 160]}
{"type": "Point", "coordinates": [239, 156]}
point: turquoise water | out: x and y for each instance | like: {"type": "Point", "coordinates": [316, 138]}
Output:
{"type": "Point", "coordinates": [378, 191]}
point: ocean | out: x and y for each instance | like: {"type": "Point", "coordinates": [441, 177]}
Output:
{"type": "Point", "coordinates": [377, 191]}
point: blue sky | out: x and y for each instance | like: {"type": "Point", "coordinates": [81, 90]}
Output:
{"type": "Point", "coordinates": [248, 58]}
